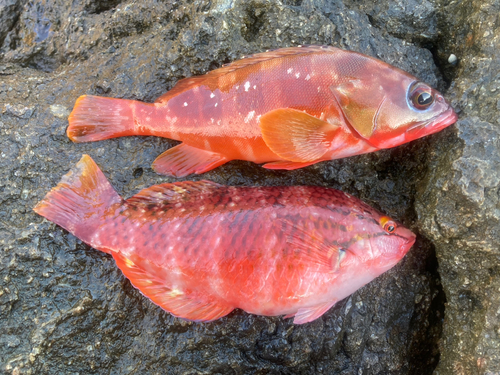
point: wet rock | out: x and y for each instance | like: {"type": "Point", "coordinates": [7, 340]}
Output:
{"type": "Point", "coordinates": [9, 13]}
{"type": "Point", "coordinates": [66, 308]}
{"type": "Point", "coordinates": [459, 202]}
{"type": "Point", "coordinates": [415, 21]}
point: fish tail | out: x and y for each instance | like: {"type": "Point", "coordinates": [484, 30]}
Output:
{"type": "Point", "coordinates": [95, 118]}
{"type": "Point", "coordinates": [80, 201]}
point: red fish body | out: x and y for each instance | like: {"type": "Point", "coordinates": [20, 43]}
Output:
{"type": "Point", "coordinates": [200, 250]}
{"type": "Point", "coordinates": [287, 108]}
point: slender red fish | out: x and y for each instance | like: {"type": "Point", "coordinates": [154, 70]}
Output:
{"type": "Point", "coordinates": [287, 108]}
{"type": "Point", "coordinates": [200, 249]}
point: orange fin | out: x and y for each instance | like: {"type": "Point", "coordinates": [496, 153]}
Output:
{"type": "Point", "coordinates": [168, 193]}
{"type": "Point", "coordinates": [181, 160]}
{"type": "Point", "coordinates": [212, 81]}
{"type": "Point", "coordinates": [313, 247]}
{"type": "Point", "coordinates": [147, 277]}
{"type": "Point", "coordinates": [79, 202]}
{"type": "Point", "coordinates": [295, 135]}
{"type": "Point", "coordinates": [95, 118]}
{"type": "Point", "coordinates": [308, 314]}
{"type": "Point", "coordinates": [288, 165]}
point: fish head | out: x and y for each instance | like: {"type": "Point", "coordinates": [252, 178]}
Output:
{"type": "Point", "coordinates": [390, 107]}
{"type": "Point", "coordinates": [382, 243]}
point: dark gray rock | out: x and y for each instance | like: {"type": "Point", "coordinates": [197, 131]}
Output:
{"type": "Point", "coordinates": [9, 13]}
{"type": "Point", "coordinates": [459, 202]}
{"type": "Point", "coordinates": [65, 308]}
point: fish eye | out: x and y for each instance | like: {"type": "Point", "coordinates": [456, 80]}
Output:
{"type": "Point", "coordinates": [421, 98]}
{"type": "Point", "coordinates": [389, 228]}
{"type": "Point", "coordinates": [388, 225]}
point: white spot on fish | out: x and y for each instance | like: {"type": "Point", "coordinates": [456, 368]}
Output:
{"type": "Point", "coordinates": [247, 85]}
{"type": "Point", "coordinates": [216, 104]}
{"type": "Point", "coordinates": [258, 118]}
{"type": "Point", "coordinates": [308, 77]}
{"type": "Point", "coordinates": [249, 116]}
{"type": "Point", "coordinates": [212, 120]}
{"type": "Point", "coordinates": [129, 263]}
{"type": "Point", "coordinates": [185, 104]}
{"type": "Point", "coordinates": [175, 293]}
{"type": "Point", "coordinates": [255, 87]}
{"type": "Point", "coordinates": [219, 122]}
{"type": "Point", "coordinates": [237, 87]}
{"type": "Point", "coordinates": [289, 71]}
{"type": "Point", "coordinates": [212, 95]}
{"type": "Point", "coordinates": [297, 75]}
{"type": "Point", "coordinates": [148, 118]}
{"type": "Point", "coordinates": [319, 88]}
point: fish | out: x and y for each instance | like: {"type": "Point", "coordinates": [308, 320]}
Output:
{"type": "Point", "coordinates": [199, 250]}
{"type": "Point", "coordinates": [287, 108]}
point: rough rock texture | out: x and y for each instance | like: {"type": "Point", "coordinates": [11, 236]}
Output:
{"type": "Point", "coordinates": [65, 308]}
{"type": "Point", "coordinates": [458, 204]}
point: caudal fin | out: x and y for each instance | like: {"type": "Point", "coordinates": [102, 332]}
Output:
{"type": "Point", "coordinates": [79, 202]}
{"type": "Point", "coordinates": [95, 118]}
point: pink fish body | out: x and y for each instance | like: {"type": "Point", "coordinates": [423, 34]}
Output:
{"type": "Point", "coordinates": [200, 249]}
{"type": "Point", "coordinates": [287, 108]}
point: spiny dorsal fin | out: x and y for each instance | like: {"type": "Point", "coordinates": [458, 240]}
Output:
{"type": "Point", "coordinates": [211, 79]}
{"type": "Point", "coordinates": [171, 192]}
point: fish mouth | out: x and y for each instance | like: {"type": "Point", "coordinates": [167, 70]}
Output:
{"type": "Point", "coordinates": [435, 124]}
{"type": "Point", "coordinates": [409, 239]}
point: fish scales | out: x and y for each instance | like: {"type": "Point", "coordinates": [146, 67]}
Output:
{"type": "Point", "coordinates": [200, 249]}
{"type": "Point", "coordinates": [287, 108]}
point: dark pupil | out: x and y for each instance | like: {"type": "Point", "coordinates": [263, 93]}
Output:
{"type": "Point", "coordinates": [390, 229]}
{"type": "Point", "coordinates": [424, 99]}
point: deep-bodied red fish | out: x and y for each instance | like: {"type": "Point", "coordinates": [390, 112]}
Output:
{"type": "Point", "coordinates": [200, 249]}
{"type": "Point", "coordinates": [287, 108]}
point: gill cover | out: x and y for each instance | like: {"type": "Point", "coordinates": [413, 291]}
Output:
{"type": "Point", "coordinates": [385, 110]}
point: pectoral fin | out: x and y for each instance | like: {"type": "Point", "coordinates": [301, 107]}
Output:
{"type": "Point", "coordinates": [181, 160]}
{"type": "Point", "coordinates": [308, 314]}
{"type": "Point", "coordinates": [295, 135]}
{"type": "Point", "coordinates": [313, 247]}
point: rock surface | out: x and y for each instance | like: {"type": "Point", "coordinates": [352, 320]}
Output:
{"type": "Point", "coordinates": [459, 202]}
{"type": "Point", "coordinates": [65, 308]}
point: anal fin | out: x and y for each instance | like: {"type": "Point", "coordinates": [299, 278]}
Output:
{"type": "Point", "coordinates": [288, 165]}
{"type": "Point", "coordinates": [308, 314]}
{"type": "Point", "coordinates": [182, 160]}
{"type": "Point", "coordinates": [146, 276]}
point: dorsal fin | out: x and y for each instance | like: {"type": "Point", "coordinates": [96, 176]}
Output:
{"type": "Point", "coordinates": [170, 192]}
{"type": "Point", "coordinates": [211, 79]}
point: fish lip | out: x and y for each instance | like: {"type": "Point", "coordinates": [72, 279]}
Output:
{"type": "Point", "coordinates": [408, 244]}
{"type": "Point", "coordinates": [437, 123]}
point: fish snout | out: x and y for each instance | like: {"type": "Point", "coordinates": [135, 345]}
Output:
{"type": "Point", "coordinates": [407, 240]}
